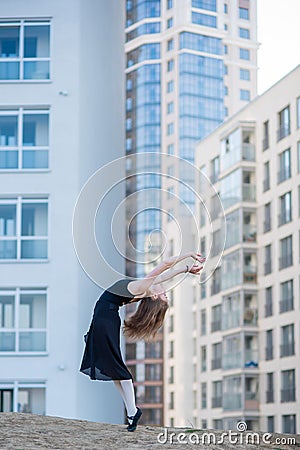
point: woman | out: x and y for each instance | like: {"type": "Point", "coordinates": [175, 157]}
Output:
{"type": "Point", "coordinates": [102, 358]}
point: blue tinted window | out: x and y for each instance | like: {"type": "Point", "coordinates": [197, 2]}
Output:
{"type": "Point", "coordinates": [244, 33]}
{"type": "Point", "coordinates": [170, 4]}
{"type": "Point", "coordinates": [141, 9]}
{"type": "Point", "coordinates": [146, 28]}
{"type": "Point", "coordinates": [210, 5]}
{"type": "Point", "coordinates": [204, 19]}
{"type": "Point", "coordinates": [201, 43]}
{"type": "Point", "coordinates": [244, 13]}
{"type": "Point", "coordinates": [244, 54]}
{"type": "Point", "coordinates": [170, 44]}
{"type": "Point", "coordinates": [142, 53]}
{"type": "Point", "coordinates": [244, 94]}
{"type": "Point", "coordinates": [245, 74]}
{"type": "Point", "coordinates": [170, 22]}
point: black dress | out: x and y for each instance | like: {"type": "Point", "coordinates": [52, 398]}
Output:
{"type": "Point", "coordinates": [102, 359]}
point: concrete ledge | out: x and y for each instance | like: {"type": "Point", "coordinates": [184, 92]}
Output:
{"type": "Point", "coordinates": [28, 431]}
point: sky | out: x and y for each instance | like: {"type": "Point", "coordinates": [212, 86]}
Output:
{"type": "Point", "coordinates": [279, 38]}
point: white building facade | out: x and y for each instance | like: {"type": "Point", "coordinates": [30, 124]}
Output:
{"type": "Point", "coordinates": [61, 91]}
{"type": "Point", "coordinates": [242, 336]}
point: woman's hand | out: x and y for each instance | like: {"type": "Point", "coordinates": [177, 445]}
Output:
{"type": "Point", "coordinates": [197, 257]}
{"type": "Point", "coordinates": [194, 269]}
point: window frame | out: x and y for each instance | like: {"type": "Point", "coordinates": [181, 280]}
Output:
{"type": "Point", "coordinates": [22, 23]}
{"type": "Point", "coordinates": [20, 113]}
{"type": "Point", "coordinates": [17, 293]}
{"type": "Point", "coordinates": [19, 201]}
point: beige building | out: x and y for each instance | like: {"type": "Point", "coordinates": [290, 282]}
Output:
{"type": "Point", "coordinates": [189, 64]}
{"type": "Point", "coordinates": [232, 344]}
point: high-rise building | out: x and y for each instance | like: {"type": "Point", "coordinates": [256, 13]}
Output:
{"type": "Point", "coordinates": [189, 64]}
{"type": "Point", "coordinates": [241, 329]}
{"type": "Point", "coordinates": [61, 94]}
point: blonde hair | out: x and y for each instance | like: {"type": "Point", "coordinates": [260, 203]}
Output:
{"type": "Point", "coordinates": [147, 320]}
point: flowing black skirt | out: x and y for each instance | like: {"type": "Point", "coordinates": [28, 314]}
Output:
{"type": "Point", "coordinates": [102, 359]}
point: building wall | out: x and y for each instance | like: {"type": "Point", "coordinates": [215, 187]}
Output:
{"type": "Point", "coordinates": [85, 98]}
{"type": "Point", "coordinates": [256, 409]}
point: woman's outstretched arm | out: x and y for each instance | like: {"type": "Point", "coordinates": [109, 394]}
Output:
{"type": "Point", "coordinates": [140, 288]}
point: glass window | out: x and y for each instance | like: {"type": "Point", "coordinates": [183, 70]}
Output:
{"type": "Point", "coordinates": [170, 128]}
{"type": "Point", "coordinates": [204, 19]}
{"type": "Point", "coordinates": [29, 59]}
{"type": "Point", "coordinates": [170, 65]}
{"type": "Point", "coordinates": [289, 423]}
{"type": "Point", "coordinates": [286, 296]}
{"type": "Point", "coordinates": [286, 252]}
{"type": "Point", "coordinates": [170, 107]}
{"type": "Point", "coordinates": [298, 112]}
{"type": "Point", "coordinates": [30, 230]}
{"type": "Point", "coordinates": [210, 5]}
{"type": "Point", "coordinates": [231, 149]}
{"type": "Point", "coordinates": [225, 90]}
{"type": "Point", "coordinates": [29, 151]}
{"type": "Point", "coordinates": [284, 128]}
{"type": "Point", "coordinates": [231, 270]}
{"type": "Point", "coordinates": [285, 204]}
{"type": "Point", "coordinates": [170, 22]}
{"type": "Point", "coordinates": [171, 149]}
{"type": "Point", "coordinates": [245, 54]}
{"type": "Point", "coordinates": [170, 86]}
{"type": "Point", "coordinates": [244, 13]}
{"type": "Point", "coordinates": [28, 334]}
{"type": "Point", "coordinates": [21, 397]}
{"type": "Point", "coordinates": [284, 166]}
{"type": "Point", "coordinates": [142, 53]}
{"type": "Point", "coordinates": [287, 347]}
{"type": "Point", "coordinates": [201, 43]}
{"type": "Point", "coordinates": [146, 28]}
{"type": "Point", "coordinates": [225, 49]}
{"type": "Point", "coordinates": [244, 33]}
{"type": "Point", "coordinates": [244, 74]}
{"type": "Point", "coordinates": [298, 155]}
{"type": "Point", "coordinates": [170, 44]}
{"type": "Point", "coordinates": [169, 4]}
{"type": "Point", "coordinates": [225, 8]}
{"type": "Point", "coordinates": [244, 94]}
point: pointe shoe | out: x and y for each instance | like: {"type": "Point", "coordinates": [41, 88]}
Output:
{"type": "Point", "coordinates": [132, 426]}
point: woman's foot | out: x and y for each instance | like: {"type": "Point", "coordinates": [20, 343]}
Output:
{"type": "Point", "coordinates": [134, 420]}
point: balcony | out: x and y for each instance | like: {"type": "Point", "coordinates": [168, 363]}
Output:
{"type": "Point", "coordinates": [250, 316]}
{"type": "Point", "coordinates": [250, 273]}
{"type": "Point", "coordinates": [286, 304]}
{"type": "Point", "coordinates": [270, 396]}
{"type": "Point", "coordinates": [269, 353]}
{"type": "Point", "coordinates": [216, 402]}
{"type": "Point", "coordinates": [249, 192]}
{"type": "Point", "coordinates": [216, 363]}
{"type": "Point", "coordinates": [265, 143]}
{"type": "Point", "coordinates": [231, 360]}
{"type": "Point", "coordinates": [268, 267]}
{"type": "Point", "coordinates": [232, 401]}
{"type": "Point", "coordinates": [288, 395]}
{"type": "Point", "coordinates": [248, 152]}
{"type": "Point", "coordinates": [251, 358]}
{"type": "Point", "coordinates": [251, 400]}
{"type": "Point", "coordinates": [231, 320]}
{"type": "Point", "coordinates": [287, 349]}
{"type": "Point", "coordinates": [285, 261]}
{"type": "Point", "coordinates": [283, 131]}
{"type": "Point", "coordinates": [249, 233]}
